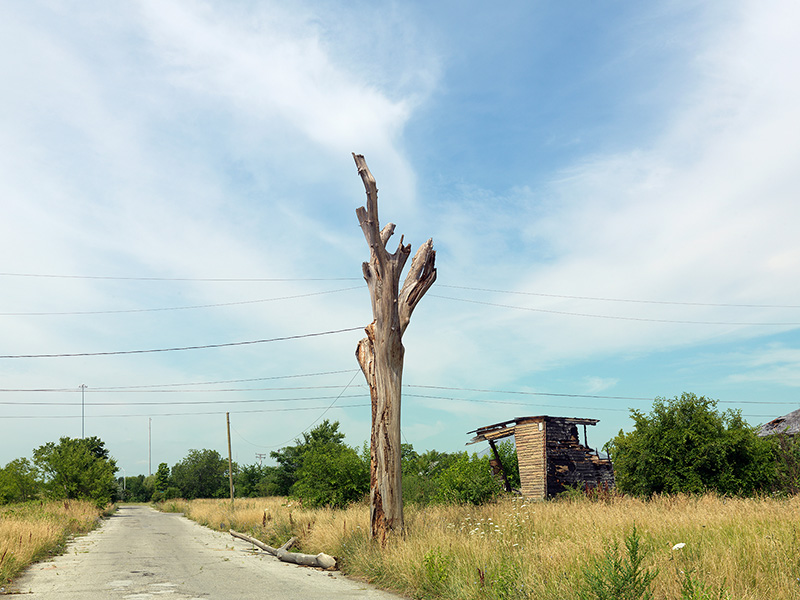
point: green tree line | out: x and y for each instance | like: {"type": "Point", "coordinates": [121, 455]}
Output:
{"type": "Point", "coordinates": [322, 470]}
{"type": "Point", "coordinates": [684, 445]}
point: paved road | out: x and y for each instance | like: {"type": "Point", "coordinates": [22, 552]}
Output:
{"type": "Point", "coordinates": [140, 553]}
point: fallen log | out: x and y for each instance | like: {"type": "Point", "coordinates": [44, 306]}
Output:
{"type": "Point", "coordinates": [321, 560]}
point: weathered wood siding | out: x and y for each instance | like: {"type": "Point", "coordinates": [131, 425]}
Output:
{"type": "Point", "coordinates": [531, 441]}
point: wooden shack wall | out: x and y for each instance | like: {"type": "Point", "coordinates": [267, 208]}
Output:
{"type": "Point", "coordinates": [530, 438]}
{"type": "Point", "coordinates": [571, 463]}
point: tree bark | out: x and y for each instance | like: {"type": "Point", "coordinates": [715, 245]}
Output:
{"type": "Point", "coordinates": [380, 354]}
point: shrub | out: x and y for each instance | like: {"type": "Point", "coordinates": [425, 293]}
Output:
{"type": "Point", "coordinates": [420, 474]}
{"type": "Point", "coordinates": [468, 480]}
{"type": "Point", "coordinates": [616, 577]}
{"type": "Point", "coordinates": [685, 446]}
{"type": "Point", "coordinates": [331, 474]}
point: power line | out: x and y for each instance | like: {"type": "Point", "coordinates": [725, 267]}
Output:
{"type": "Point", "coordinates": [564, 395]}
{"type": "Point", "coordinates": [405, 394]}
{"type": "Point", "coordinates": [177, 402]}
{"type": "Point", "coordinates": [164, 385]}
{"type": "Point", "coordinates": [183, 414]}
{"type": "Point", "coordinates": [296, 279]}
{"type": "Point", "coordinates": [350, 384]}
{"type": "Point", "coordinates": [296, 376]}
{"type": "Point", "coordinates": [331, 406]}
{"type": "Point", "coordinates": [321, 415]}
{"type": "Point", "coordinates": [479, 401]}
{"type": "Point", "coordinates": [180, 348]}
{"type": "Point", "coordinates": [213, 279]}
{"type": "Point", "coordinates": [169, 308]}
{"type": "Point", "coordinates": [640, 319]}
{"type": "Point", "coordinates": [179, 391]}
{"type": "Point", "coordinates": [599, 299]}
{"type": "Point", "coordinates": [526, 393]}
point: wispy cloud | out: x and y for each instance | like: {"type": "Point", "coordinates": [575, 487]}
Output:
{"type": "Point", "coordinates": [774, 364]}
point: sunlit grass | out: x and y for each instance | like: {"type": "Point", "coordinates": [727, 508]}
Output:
{"type": "Point", "coordinates": [520, 549]}
{"type": "Point", "coordinates": [31, 531]}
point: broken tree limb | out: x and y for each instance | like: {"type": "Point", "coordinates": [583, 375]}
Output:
{"type": "Point", "coordinates": [255, 542]}
{"type": "Point", "coordinates": [321, 560]}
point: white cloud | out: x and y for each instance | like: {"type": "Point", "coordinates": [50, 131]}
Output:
{"type": "Point", "coordinates": [272, 70]}
{"type": "Point", "coordinates": [706, 213]}
{"type": "Point", "coordinates": [775, 364]}
{"type": "Point", "coordinates": [595, 385]}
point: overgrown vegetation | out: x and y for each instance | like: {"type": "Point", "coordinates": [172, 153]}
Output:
{"type": "Point", "coordinates": [686, 446]}
{"type": "Point", "coordinates": [72, 469]}
{"type": "Point", "coordinates": [683, 446]}
{"type": "Point", "coordinates": [321, 470]}
{"type": "Point", "coordinates": [701, 546]}
{"type": "Point", "coordinates": [34, 530]}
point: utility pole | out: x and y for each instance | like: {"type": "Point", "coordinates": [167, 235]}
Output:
{"type": "Point", "coordinates": [260, 458]}
{"type": "Point", "coordinates": [149, 446]}
{"type": "Point", "coordinates": [83, 411]}
{"type": "Point", "coordinates": [230, 458]}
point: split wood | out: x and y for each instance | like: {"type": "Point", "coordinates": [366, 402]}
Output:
{"type": "Point", "coordinates": [321, 560]}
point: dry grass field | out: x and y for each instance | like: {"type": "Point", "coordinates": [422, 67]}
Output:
{"type": "Point", "coordinates": [737, 548]}
{"type": "Point", "coordinates": [31, 531]}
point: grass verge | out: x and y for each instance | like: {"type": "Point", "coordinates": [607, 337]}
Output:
{"type": "Point", "coordinates": [741, 548]}
{"type": "Point", "coordinates": [35, 530]}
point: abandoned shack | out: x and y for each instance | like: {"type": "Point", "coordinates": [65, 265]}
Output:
{"type": "Point", "coordinates": [785, 425]}
{"type": "Point", "coordinates": [550, 454]}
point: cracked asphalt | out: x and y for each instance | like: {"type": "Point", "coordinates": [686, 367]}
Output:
{"type": "Point", "coordinates": [140, 553]}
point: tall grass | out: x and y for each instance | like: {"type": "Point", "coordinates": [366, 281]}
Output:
{"type": "Point", "coordinates": [31, 531]}
{"type": "Point", "coordinates": [746, 548]}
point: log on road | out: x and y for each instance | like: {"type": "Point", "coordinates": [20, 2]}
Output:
{"type": "Point", "coordinates": [321, 560]}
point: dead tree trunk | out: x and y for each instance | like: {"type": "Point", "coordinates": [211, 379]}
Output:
{"type": "Point", "coordinates": [380, 354]}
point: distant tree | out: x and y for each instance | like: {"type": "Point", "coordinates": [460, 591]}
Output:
{"type": "Point", "coordinates": [321, 468]}
{"type": "Point", "coordinates": [77, 468]}
{"type": "Point", "coordinates": [290, 458]}
{"type": "Point", "coordinates": [467, 480]}
{"type": "Point", "coordinates": [420, 472]}
{"type": "Point", "coordinates": [161, 481]}
{"type": "Point", "coordinates": [254, 481]}
{"type": "Point", "coordinates": [686, 445]}
{"type": "Point", "coordinates": [331, 474]}
{"type": "Point", "coordinates": [508, 456]}
{"type": "Point", "coordinates": [202, 474]}
{"type": "Point", "coordinates": [137, 490]}
{"type": "Point", "coordinates": [18, 481]}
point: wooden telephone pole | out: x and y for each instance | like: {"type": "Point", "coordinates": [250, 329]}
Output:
{"type": "Point", "coordinates": [230, 457]}
{"type": "Point", "coordinates": [380, 354]}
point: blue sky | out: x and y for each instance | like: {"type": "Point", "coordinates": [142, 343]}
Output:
{"type": "Point", "coordinates": [611, 190]}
